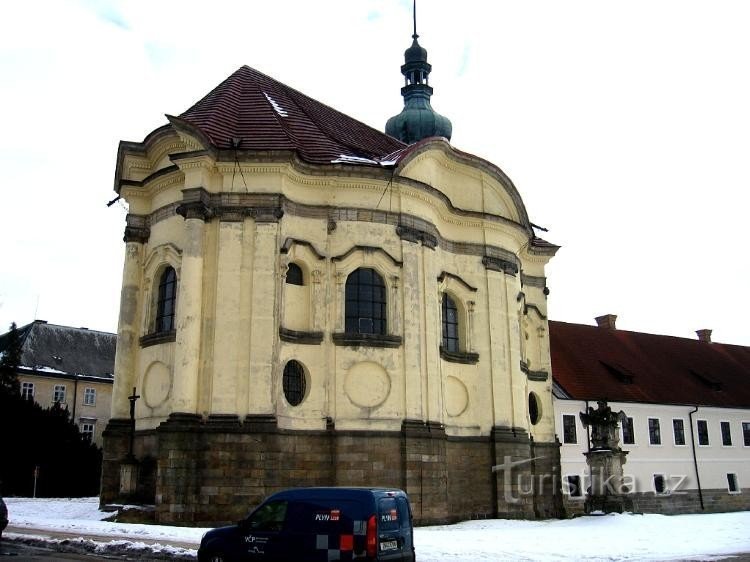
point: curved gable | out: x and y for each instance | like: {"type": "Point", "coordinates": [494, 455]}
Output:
{"type": "Point", "coordinates": [469, 182]}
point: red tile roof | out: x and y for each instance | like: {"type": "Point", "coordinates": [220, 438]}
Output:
{"type": "Point", "coordinates": [592, 363]}
{"type": "Point", "coordinates": [268, 116]}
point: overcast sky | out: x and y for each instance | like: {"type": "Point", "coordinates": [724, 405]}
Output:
{"type": "Point", "coordinates": [625, 127]}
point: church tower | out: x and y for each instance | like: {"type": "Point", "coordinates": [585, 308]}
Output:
{"type": "Point", "coordinates": [417, 120]}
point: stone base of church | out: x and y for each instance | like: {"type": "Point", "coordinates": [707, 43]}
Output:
{"type": "Point", "coordinates": [208, 472]}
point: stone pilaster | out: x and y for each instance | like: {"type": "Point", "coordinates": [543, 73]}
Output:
{"type": "Point", "coordinates": [189, 314]}
{"type": "Point", "coordinates": [499, 359]}
{"type": "Point", "coordinates": [227, 328]}
{"type": "Point", "coordinates": [127, 327]}
{"type": "Point", "coordinates": [511, 321]}
{"type": "Point", "coordinates": [264, 329]}
{"type": "Point", "coordinates": [416, 384]}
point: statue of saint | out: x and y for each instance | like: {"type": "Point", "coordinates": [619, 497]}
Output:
{"type": "Point", "coordinates": [603, 422]}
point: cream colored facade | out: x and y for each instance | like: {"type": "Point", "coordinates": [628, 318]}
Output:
{"type": "Point", "coordinates": [87, 399]}
{"type": "Point", "coordinates": [439, 221]}
{"type": "Point", "coordinates": [674, 461]}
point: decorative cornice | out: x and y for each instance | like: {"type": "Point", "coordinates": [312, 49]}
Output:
{"type": "Point", "coordinates": [532, 281]}
{"type": "Point", "coordinates": [538, 376]}
{"type": "Point", "coordinates": [415, 235]}
{"type": "Point", "coordinates": [289, 242]}
{"type": "Point", "coordinates": [136, 229]}
{"type": "Point", "coordinates": [194, 210]}
{"type": "Point", "coordinates": [459, 357]}
{"type": "Point", "coordinates": [157, 338]}
{"type": "Point", "coordinates": [295, 336]}
{"type": "Point", "coordinates": [266, 207]}
{"type": "Point", "coordinates": [446, 275]}
{"type": "Point", "coordinates": [266, 214]}
{"type": "Point", "coordinates": [535, 308]}
{"type": "Point", "coordinates": [366, 249]}
{"type": "Point", "coordinates": [366, 340]}
{"type": "Point", "coordinates": [497, 264]}
{"type": "Point", "coordinates": [195, 204]}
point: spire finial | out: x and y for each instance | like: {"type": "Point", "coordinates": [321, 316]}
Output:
{"type": "Point", "coordinates": [415, 20]}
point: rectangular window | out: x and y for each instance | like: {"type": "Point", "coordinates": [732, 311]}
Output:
{"type": "Point", "coordinates": [59, 394]}
{"type": "Point", "coordinates": [746, 433]}
{"type": "Point", "coordinates": [734, 487]}
{"type": "Point", "coordinates": [27, 390]}
{"type": "Point", "coordinates": [573, 486]}
{"type": "Point", "coordinates": [87, 430]}
{"type": "Point", "coordinates": [628, 435]}
{"type": "Point", "coordinates": [726, 434]}
{"type": "Point", "coordinates": [660, 485]}
{"type": "Point", "coordinates": [89, 397]}
{"type": "Point", "coordinates": [678, 426]}
{"type": "Point", "coordinates": [569, 429]}
{"type": "Point", "coordinates": [702, 432]}
{"type": "Point", "coordinates": [654, 431]}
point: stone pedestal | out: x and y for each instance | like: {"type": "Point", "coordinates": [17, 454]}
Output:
{"type": "Point", "coordinates": [608, 490]}
{"type": "Point", "coordinates": [128, 477]}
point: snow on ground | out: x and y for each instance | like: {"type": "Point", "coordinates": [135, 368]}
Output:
{"type": "Point", "coordinates": [610, 537]}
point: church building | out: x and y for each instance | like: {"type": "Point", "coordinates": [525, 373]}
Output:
{"type": "Point", "coordinates": [308, 301]}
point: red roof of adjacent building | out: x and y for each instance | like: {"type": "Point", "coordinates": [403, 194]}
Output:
{"type": "Point", "coordinates": [593, 363]}
{"type": "Point", "coordinates": [264, 114]}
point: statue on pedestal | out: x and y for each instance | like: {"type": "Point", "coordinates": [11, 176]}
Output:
{"type": "Point", "coordinates": [607, 492]}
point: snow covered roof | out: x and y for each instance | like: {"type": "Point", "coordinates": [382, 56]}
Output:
{"type": "Point", "coordinates": [64, 350]}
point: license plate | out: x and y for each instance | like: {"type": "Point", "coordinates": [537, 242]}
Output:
{"type": "Point", "coordinates": [388, 545]}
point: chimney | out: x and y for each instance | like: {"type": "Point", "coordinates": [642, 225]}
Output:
{"type": "Point", "coordinates": [704, 335]}
{"type": "Point", "coordinates": [607, 321]}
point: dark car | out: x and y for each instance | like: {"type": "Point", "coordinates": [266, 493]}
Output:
{"type": "Point", "coordinates": [3, 516]}
{"type": "Point", "coordinates": [316, 525]}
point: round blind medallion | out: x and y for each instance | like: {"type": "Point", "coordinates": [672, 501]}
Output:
{"type": "Point", "coordinates": [533, 408]}
{"type": "Point", "coordinates": [294, 383]}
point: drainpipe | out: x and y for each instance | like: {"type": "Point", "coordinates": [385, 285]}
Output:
{"type": "Point", "coordinates": [695, 458]}
{"type": "Point", "coordinates": [75, 398]}
{"type": "Point", "coordinates": [588, 448]}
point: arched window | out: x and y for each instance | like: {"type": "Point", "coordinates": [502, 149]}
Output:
{"type": "Point", "coordinates": [365, 302]}
{"type": "Point", "coordinates": [450, 325]}
{"type": "Point", "coordinates": [166, 301]}
{"type": "Point", "coordinates": [294, 383]}
{"type": "Point", "coordinates": [294, 275]}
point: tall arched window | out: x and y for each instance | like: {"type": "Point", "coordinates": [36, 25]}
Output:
{"type": "Point", "coordinates": [450, 325]}
{"type": "Point", "coordinates": [365, 302]}
{"type": "Point", "coordinates": [166, 301]}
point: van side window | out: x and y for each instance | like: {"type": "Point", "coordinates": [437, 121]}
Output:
{"type": "Point", "coordinates": [269, 517]}
{"type": "Point", "coordinates": [388, 515]}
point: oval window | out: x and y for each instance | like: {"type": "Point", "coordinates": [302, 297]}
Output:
{"type": "Point", "coordinates": [534, 408]}
{"type": "Point", "coordinates": [294, 383]}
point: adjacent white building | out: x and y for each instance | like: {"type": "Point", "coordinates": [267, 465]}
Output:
{"type": "Point", "coordinates": [687, 404]}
